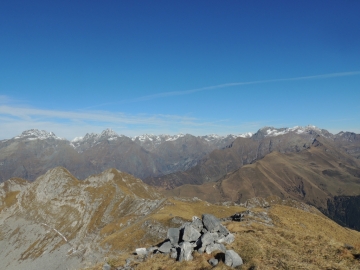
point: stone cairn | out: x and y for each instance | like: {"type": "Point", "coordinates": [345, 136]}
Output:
{"type": "Point", "coordinates": [206, 235]}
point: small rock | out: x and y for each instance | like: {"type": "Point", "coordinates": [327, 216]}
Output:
{"type": "Point", "coordinates": [232, 258]}
{"type": "Point", "coordinates": [211, 223]}
{"type": "Point", "coordinates": [173, 234]}
{"type": "Point", "coordinates": [165, 247]}
{"type": "Point", "coordinates": [141, 251]}
{"type": "Point", "coordinates": [106, 266]}
{"type": "Point", "coordinates": [213, 262]}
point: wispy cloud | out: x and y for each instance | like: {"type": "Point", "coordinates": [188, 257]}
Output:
{"type": "Point", "coordinates": [14, 119]}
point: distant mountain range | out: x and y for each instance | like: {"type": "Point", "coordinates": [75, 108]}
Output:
{"type": "Point", "coordinates": [35, 151]}
{"type": "Point", "coordinates": [160, 160]}
{"type": "Point", "coordinates": [243, 151]}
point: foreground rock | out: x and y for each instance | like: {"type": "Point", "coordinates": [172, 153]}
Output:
{"type": "Point", "coordinates": [201, 235]}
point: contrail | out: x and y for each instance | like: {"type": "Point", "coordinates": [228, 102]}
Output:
{"type": "Point", "coordinates": [226, 85]}
{"type": "Point", "coordinates": [178, 93]}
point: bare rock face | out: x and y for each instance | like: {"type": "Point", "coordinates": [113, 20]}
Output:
{"type": "Point", "coordinates": [60, 221]}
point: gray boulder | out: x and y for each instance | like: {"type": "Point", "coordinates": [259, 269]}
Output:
{"type": "Point", "coordinates": [232, 259]}
{"type": "Point", "coordinates": [213, 262]}
{"type": "Point", "coordinates": [227, 239]}
{"type": "Point", "coordinates": [197, 224]}
{"type": "Point", "coordinates": [211, 223]}
{"type": "Point", "coordinates": [215, 246]}
{"type": "Point", "coordinates": [186, 251]}
{"type": "Point", "coordinates": [223, 230]}
{"type": "Point", "coordinates": [206, 239]}
{"type": "Point", "coordinates": [190, 234]}
{"type": "Point", "coordinates": [173, 234]}
{"type": "Point", "coordinates": [165, 247]}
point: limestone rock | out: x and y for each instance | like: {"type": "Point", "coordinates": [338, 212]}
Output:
{"type": "Point", "coordinates": [206, 239]}
{"type": "Point", "coordinates": [186, 251]}
{"type": "Point", "coordinates": [197, 224]}
{"type": "Point", "coordinates": [232, 259]}
{"type": "Point", "coordinates": [227, 239]}
{"type": "Point", "coordinates": [165, 247]}
{"type": "Point", "coordinates": [223, 230]}
{"type": "Point", "coordinates": [173, 234]}
{"type": "Point", "coordinates": [213, 262]}
{"type": "Point", "coordinates": [141, 251]}
{"type": "Point", "coordinates": [190, 234]}
{"type": "Point", "coordinates": [211, 223]}
{"type": "Point", "coordinates": [215, 246]}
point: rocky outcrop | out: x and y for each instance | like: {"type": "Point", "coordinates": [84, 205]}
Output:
{"type": "Point", "coordinates": [201, 235]}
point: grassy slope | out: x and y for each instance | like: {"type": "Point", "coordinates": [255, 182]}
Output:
{"type": "Point", "coordinates": [298, 240]}
{"type": "Point", "coordinates": [312, 176]}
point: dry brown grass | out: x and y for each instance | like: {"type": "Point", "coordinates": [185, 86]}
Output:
{"type": "Point", "coordinates": [298, 240]}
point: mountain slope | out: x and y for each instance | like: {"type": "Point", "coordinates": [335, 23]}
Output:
{"type": "Point", "coordinates": [244, 151]}
{"type": "Point", "coordinates": [59, 222]}
{"type": "Point", "coordinates": [241, 152]}
{"type": "Point", "coordinates": [313, 175]}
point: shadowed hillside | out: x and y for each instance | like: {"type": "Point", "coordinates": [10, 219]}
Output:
{"type": "Point", "coordinates": [313, 175]}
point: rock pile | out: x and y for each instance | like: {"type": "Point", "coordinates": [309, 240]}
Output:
{"type": "Point", "coordinates": [201, 235]}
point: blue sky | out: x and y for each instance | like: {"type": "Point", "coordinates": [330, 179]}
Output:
{"type": "Point", "coordinates": [196, 67]}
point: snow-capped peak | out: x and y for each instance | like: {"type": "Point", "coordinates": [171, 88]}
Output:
{"type": "Point", "coordinates": [272, 132]}
{"type": "Point", "coordinates": [91, 139]}
{"type": "Point", "coordinates": [108, 133]}
{"type": "Point", "coordinates": [35, 134]}
{"type": "Point", "coordinates": [244, 135]}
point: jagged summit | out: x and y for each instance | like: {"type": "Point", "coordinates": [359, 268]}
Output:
{"type": "Point", "coordinates": [35, 134]}
{"type": "Point", "coordinates": [91, 139]}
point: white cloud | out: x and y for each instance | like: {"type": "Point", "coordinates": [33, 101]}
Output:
{"type": "Point", "coordinates": [69, 124]}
